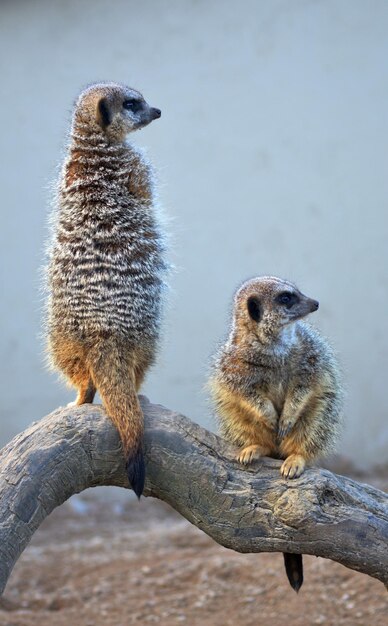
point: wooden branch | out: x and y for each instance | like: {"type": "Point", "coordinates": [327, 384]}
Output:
{"type": "Point", "coordinates": [247, 510]}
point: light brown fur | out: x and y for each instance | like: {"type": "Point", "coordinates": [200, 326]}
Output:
{"type": "Point", "coordinates": [107, 267]}
{"type": "Point", "coordinates": [275, 382]}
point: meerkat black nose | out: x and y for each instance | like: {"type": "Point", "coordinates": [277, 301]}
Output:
{"type": "Point", "coordinates": [155, 113]}
{"type": "Point", "coordinates": [314, 305]}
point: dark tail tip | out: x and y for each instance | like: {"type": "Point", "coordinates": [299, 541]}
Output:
{"type": "Point", "coordinates": [294, 569]}
{"type": "Point", "coordinates": [136, 472]}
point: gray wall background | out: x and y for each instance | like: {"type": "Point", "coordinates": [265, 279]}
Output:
{"type": "Point", "coordinates": [272, 158]}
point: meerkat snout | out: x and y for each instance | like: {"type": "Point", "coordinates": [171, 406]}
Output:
{"type": "Point", "coordinates": [314, 305]}
{"type": "Point", "coordinates": [155, 113]}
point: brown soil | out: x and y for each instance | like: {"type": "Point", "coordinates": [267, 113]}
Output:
{"type": "Point", "coordinates": [104, 559]}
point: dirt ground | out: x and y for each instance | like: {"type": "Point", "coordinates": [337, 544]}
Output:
{"type": "Point", "coordinates": [104, 559]}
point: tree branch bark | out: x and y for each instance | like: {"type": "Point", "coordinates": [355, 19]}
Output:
{"type": "Point", "coordinates": [247, 510]}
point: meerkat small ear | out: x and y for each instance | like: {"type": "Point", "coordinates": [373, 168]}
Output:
{"type": "Point", "coordinates": [103, 113]}
{"type": "Point", "coordinates": [254, 308]}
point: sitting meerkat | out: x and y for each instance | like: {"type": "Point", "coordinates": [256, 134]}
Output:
{"type": "Point", "coordinates": [276, 384]}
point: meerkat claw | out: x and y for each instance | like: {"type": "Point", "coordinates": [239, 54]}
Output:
{"type": "Point", "coordinates": [285, 430]}
{"type": "Point", "coordinates": [293, 466]}
{"type": "Point", "coordinates": [248, 454]}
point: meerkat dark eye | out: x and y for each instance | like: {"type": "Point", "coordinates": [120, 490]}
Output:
{"type": "Point", "coordinates": [287, 299]}
{"type": "Point", "coordinates": [131, 104]}
{"type": "Point", "coordinates": [254, 308]}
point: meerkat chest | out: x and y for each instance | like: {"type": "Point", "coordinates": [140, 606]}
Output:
{"type": "Point", "coordinates": [275, 387]}
{"type": "Point", "coordinates": [277, 395]}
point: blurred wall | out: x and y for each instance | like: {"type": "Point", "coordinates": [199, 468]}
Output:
{"type": "Point", "coordinates": [272, 158]}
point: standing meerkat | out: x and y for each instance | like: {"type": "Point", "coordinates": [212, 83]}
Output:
{"type": "Point", "coordinates": [276, 384]}
{"type": "Point", "coordinates": [106, 263]}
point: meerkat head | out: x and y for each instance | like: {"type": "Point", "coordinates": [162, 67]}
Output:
{"type": "Point", "coordinates": [116, 109]}
{"type": "Point", "coordinates": [267, 304]}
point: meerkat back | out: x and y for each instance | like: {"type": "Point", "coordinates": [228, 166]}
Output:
{"type": "Point", "coordinates": [107, 263]}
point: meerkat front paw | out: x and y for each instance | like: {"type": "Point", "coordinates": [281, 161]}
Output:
{"type": "Point", "coordinates": [285, 427]}
{"type": "Point", "coordinates": [249, 454]}
{"type": "Point", "coordinates": [293, 466]}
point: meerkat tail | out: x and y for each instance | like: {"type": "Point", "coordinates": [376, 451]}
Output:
{"type": "Point", "coordinates": [112, 371]}
{"type": "Point", "coordinates": [294, 569]}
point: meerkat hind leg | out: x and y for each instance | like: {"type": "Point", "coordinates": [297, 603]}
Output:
{"type": "Point", "coordinates": [251, 453]}
{"type": "Point", "coordinates": [82, 381]}
{"type": "Point", "coordinates": [293, 466]}
{"type": "Point", "coordinates": [86, 394]}
{"type": "Point", "coordinates": [70, 357]}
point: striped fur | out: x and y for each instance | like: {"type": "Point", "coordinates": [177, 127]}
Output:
{"type": "Point", "coordinates": [107, 262]}
{"type": "Point", "coordinates": [276, 384]}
